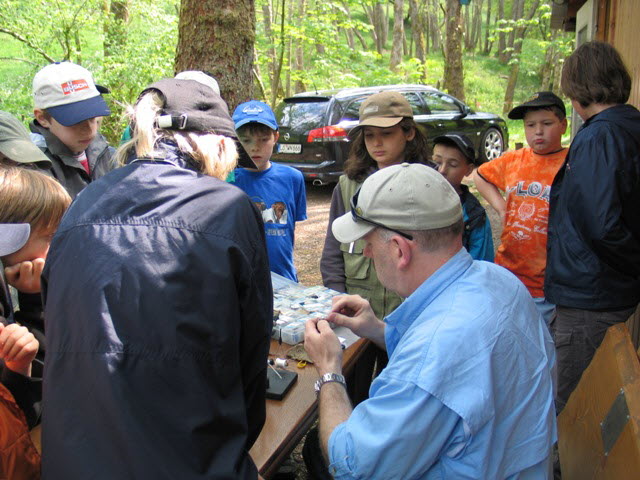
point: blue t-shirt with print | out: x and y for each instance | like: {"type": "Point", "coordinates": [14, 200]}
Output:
{"type": "Point", "coordinates": [280, 195]}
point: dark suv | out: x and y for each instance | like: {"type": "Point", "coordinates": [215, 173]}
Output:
{"type": "Point", "coordinates": [314, 126]}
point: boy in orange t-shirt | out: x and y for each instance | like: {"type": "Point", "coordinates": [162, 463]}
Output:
{"type": "Point", "coordinates": [526, 176]}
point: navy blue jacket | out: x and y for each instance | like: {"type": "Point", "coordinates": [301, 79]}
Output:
{"type": "Point", "coordinates": [593, 248]}
{"type": "Point", "coordinates": [158, 306]}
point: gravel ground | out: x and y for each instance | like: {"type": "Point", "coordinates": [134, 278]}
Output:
{"type": "Point", "coordinates": [309, 242]}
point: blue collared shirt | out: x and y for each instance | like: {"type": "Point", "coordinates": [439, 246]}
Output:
{"type": "Point", "coordinates": [468, 390]}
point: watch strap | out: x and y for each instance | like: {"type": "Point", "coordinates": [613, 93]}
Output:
{"type": "Point", "coordinates": [327, 378]}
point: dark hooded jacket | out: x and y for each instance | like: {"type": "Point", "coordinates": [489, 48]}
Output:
{"type": "Point", "coordinates": [159, 313]}
{"type": "Point", "coordinates": [593, 248]}
{"type": "Point", "coordinates": [64, 166]}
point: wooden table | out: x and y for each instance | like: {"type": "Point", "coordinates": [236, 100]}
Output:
{"type": "Point", "coordinates": [289, 419]}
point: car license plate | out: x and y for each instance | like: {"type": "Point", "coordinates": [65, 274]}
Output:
{"type": "Point", "coordinates": [289, 148]}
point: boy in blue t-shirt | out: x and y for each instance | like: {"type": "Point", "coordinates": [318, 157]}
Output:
{"type": "Point", "coordinates": [277, 190]}
{"type": "Point", "coordinates": [455, 158]}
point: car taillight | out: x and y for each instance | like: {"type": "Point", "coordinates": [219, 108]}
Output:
{"type": "Point", "coordinates": [332, 133]}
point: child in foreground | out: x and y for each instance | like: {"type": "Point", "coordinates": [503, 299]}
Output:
{"type": "Point", "coordinates": [455, 157]}
{"type": "Point", "coordinates": [28, 196]}
{"type": "Point", "coordinates": [278, 191]}
{"type": "Point", "coordinates": [525, 176]}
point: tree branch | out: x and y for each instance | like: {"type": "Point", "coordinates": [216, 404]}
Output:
{"type": "Point", "coordinates": [19, 60]}
{"type": "Point", "coordinates": [28, 43]}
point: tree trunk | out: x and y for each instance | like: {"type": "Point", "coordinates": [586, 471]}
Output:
{"type": "Point", "coordinates": [417, 29]}
{"type": "Point", "coordinates": [218, 36]}
{"type": "Point", "coordinates": [380, 27]}
{"type": "Point", "coordinates": [487, 43]}
{"type": "Point", "coordinates": [453, 71]}
{"type": "Point", "coordinates": [267, 19]}
{"type": "Point", "coordinates": [548, 66]}
{"type": "Point", "coordinates": [115, 27]}
{"type": "Point", "coordinates": [476, 24]}
{"type": "Point", "coordinates": [466, 24]}
{"type": "Point", "coordinates": [398, 34]}
{"type": "Point", "coordinates": [515, 64]}
{"type": "Point", "coordinates": [275, 90]}
{"type": "Point", "coordinates": [502, 42]}
{"type": "Point", "coordinates": [298, 64]}
{"type": "Point", "coordinates": [434, 27]}
{"type": "Point", "coordinates": [517, 11]}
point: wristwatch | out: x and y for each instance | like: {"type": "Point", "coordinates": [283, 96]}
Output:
{"type": "Point", "coordinates": [329, 377]}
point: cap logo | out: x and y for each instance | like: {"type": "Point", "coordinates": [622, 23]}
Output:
{"type": "Point", "coordinates": [252, 110]}
{"type": "Point", "coordinates": [370, 109]}
{"type": "Point", "coordinates": [74, 86]}
{"type": "Point", "coordinates": [533, 97]}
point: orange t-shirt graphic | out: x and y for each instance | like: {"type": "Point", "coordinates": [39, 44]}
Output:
{"type": "Point", "coordinates": [526, 177]}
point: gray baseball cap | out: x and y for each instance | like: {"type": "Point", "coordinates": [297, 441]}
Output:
{"type": "Point", "coordinates": [401, 197]}
{"type": "Point", "coordinates": [13, 236]}
{"type": "Point", "coordinates": [15, 143]}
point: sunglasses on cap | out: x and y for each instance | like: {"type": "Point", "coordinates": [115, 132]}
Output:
{"type": "Point", "coordinates": [357, 217]}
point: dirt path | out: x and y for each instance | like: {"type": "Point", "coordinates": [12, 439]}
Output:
{"type": "Point", "coordinates": [310, 235]}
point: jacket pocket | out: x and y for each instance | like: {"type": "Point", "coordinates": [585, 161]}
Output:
{"type": "Point", "coordinates": [562, 339]}
{"type": "Point", "coordinates": [356, 267]}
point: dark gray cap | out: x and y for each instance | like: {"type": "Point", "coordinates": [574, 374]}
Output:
{"type": "Point", "coordinates": [461, 142]}
{"type": "Point", "coordinates": [189, 105]}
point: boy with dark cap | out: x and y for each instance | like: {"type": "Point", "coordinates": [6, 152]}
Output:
{"type": "Point", "coordinates": [526, 175]}
{"type": "Point", "coordinates": [68, 109]}
{"type": "Point", "coordinates": [455, 158]}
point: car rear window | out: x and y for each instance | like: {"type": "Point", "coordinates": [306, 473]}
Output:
{"type": "Point", "coordinates": [351, 107]}
{"type": "Point", "coordinates": [301, 116]}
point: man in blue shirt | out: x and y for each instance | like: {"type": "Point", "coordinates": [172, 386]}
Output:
{"type": "Point", "coordinates": [468, 391]}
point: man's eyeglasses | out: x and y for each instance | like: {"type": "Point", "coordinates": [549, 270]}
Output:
{"type": "Point", "coordinates": [356, 216]}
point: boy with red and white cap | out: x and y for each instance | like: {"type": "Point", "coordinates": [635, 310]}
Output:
{"type": "Point", "coordinates": [68, 109]}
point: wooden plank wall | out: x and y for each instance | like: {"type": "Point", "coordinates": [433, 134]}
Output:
{"type": "Point", "coordinates": [618, 24]}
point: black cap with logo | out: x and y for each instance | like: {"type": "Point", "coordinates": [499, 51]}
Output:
{"type": "Point", "coordinates": [537, 100]}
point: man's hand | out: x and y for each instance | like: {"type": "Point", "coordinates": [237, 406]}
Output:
{"type": "Point", "coordinates": [25, 276]}
{"type": "Point", "coordinates": [323, 346]}
{"type": "Point", "coordinates": [18, 348]}
{"type": "Point", "coordinates": [355, 313]}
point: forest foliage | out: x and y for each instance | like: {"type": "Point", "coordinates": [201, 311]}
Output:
{"type": "Point", "coordinates": [300, 45]}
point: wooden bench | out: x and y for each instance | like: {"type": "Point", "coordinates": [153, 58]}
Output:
{"type": "Point", "coordinates": [599, 429]}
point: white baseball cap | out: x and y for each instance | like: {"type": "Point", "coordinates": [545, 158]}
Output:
{"type": "Point", "coordinates": [398, 198]}
{"type": "Point", "coordinates": [67, 91]}
{"type": "Point", "coordinates": [13, 236]}
{"type": "Point", "coordinates": [201, 77]}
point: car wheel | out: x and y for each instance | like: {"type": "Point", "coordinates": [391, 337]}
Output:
{"type": "Point", "coordinates": [492, 144]}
